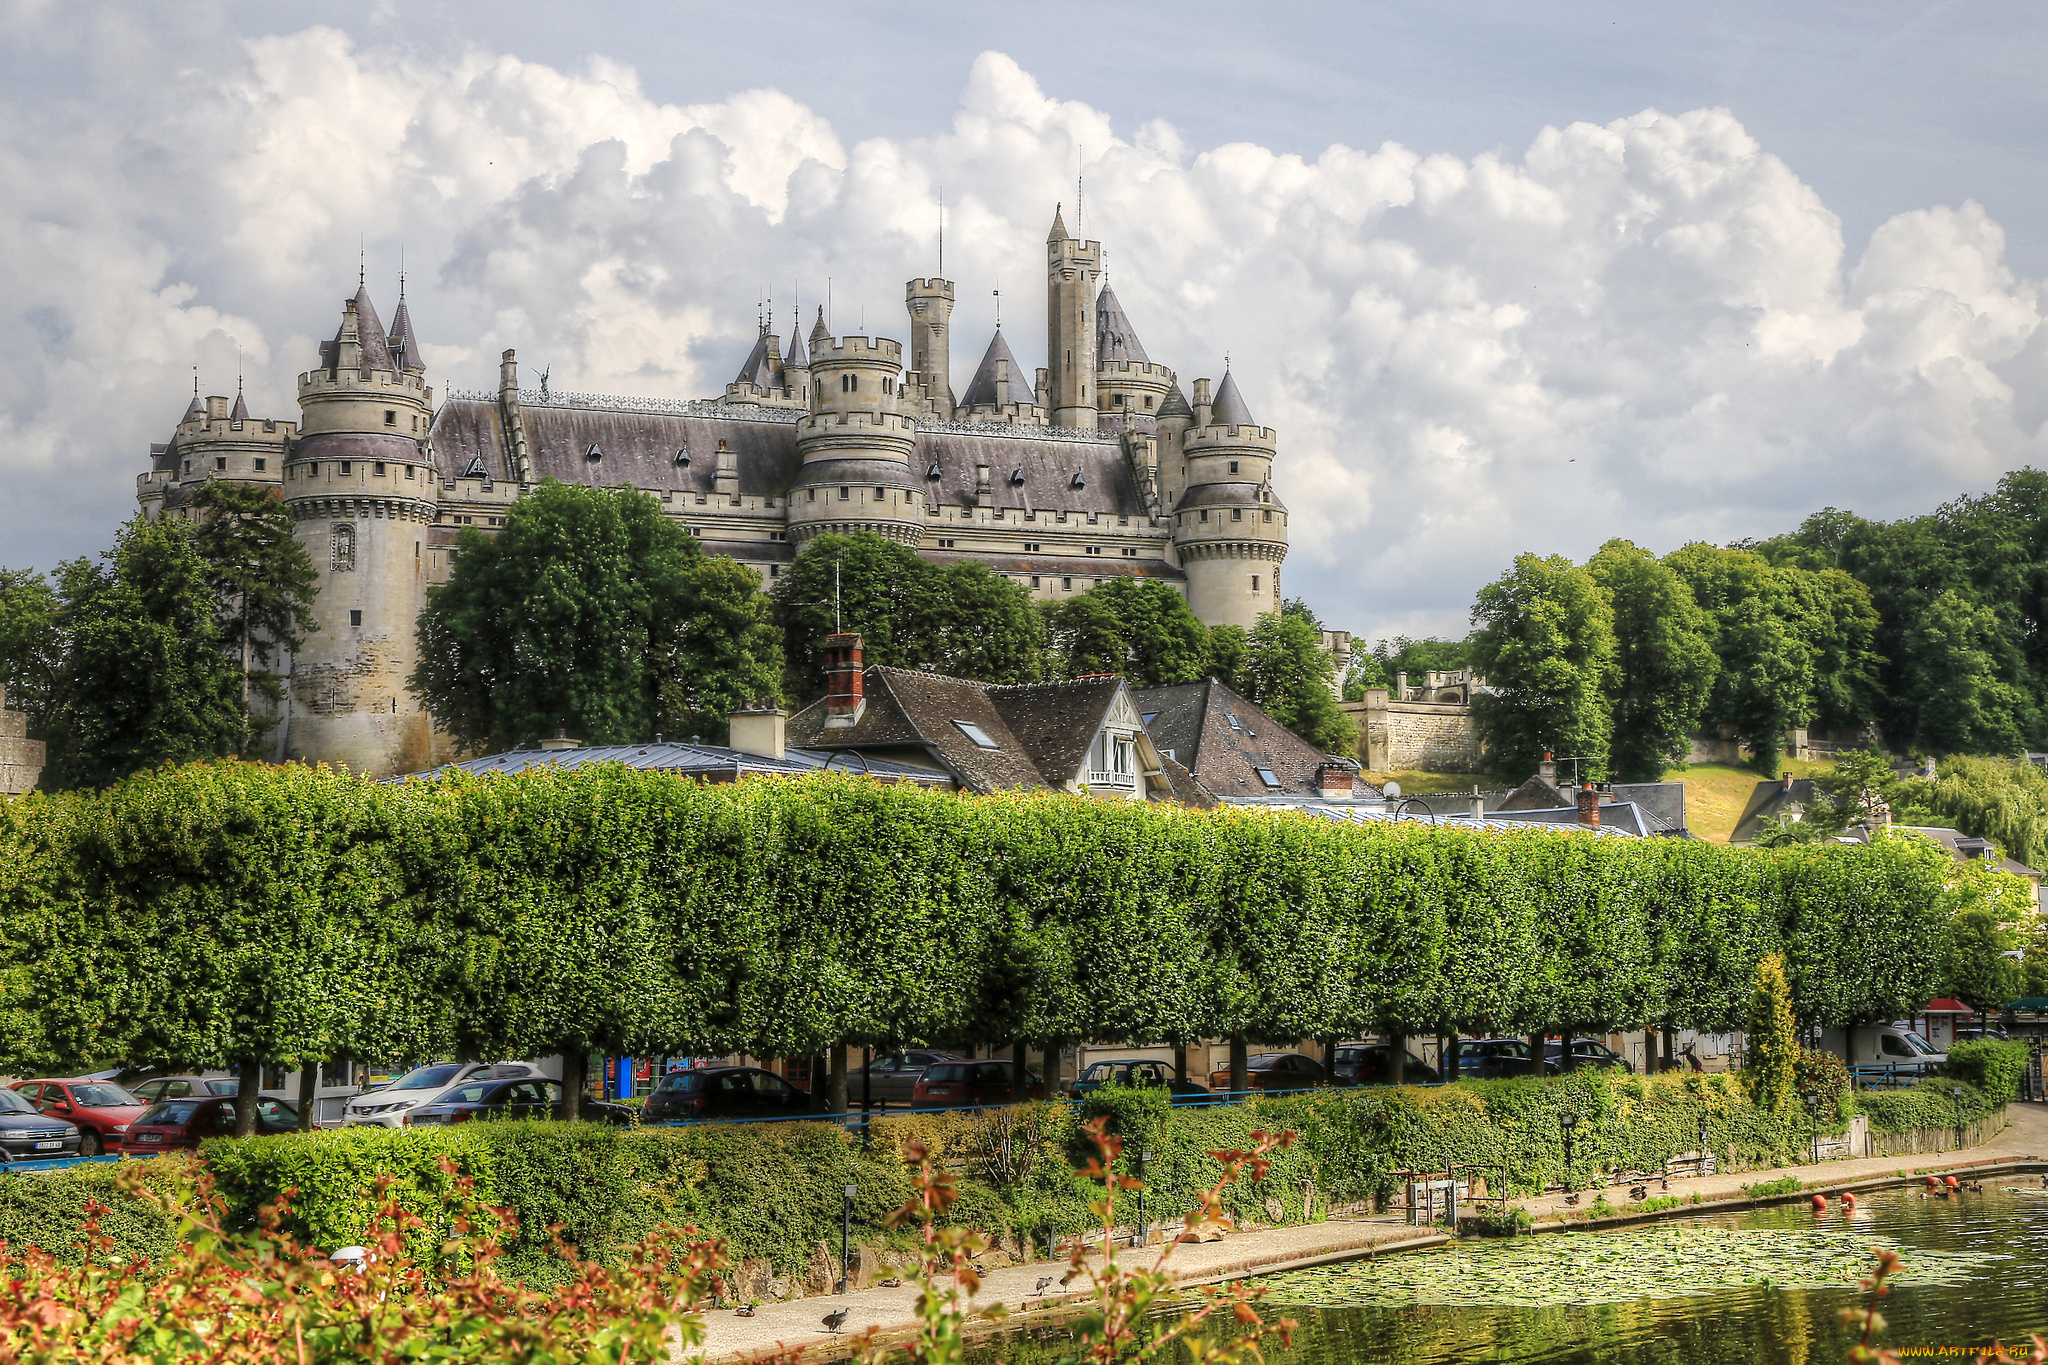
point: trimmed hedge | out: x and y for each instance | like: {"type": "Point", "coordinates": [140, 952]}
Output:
{"type": "Point", "coordinates": [47, 1208]}
{"type": "Point", "coordinates": [773, 1191]}
{"type": "Point", "coordinates": [233, 911]}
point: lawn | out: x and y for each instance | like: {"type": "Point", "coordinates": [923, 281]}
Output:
{"type": "Point", "coordinates": [1715, 793]}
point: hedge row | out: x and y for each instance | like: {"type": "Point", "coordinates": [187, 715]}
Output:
{"type": "Point", "coordinates": [234, 911]}
{"type": "Point", "coordinates": [773, 1191]}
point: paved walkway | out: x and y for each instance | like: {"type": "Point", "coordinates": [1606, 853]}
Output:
{"type": "Point", "coordinates": [780, 1327]}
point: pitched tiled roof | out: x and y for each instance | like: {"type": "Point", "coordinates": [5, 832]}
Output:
{"type": "Point", "coordinates": [693, 760]}
{"type": "Point", "coordinates": [1195, 721]}
{"type": "Point", "coordinates": [1767, 803]}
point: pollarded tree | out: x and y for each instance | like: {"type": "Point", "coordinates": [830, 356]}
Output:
{"type": "Point", "coordinates": [1664, 661]}
{"type": "Point", "coordinates": [593, 611]}
{"type": "Point", "coordinates": [1139, 627]}
{"type": "Point", "coordinates": [1289, 673]}
{"type": "Point", "coordinates": [144, 679]}
{"type": "Point", "coordinates": [1545, 645]}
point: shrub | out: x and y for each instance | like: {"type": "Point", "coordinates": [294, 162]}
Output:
{"type": "Point", "coordinates": [45, 1209]}
{"type": "Point", "coordinates": [1936, 1102]}
{"type": "Point", "coordinates": [1823, 1084]}
{"type": "Point", "coordinates": [1771, 1062]}
{"type": "Point", "coordinates": [1992, 1067]}
{"type": "Point", "coordinates": [1135, 1113]}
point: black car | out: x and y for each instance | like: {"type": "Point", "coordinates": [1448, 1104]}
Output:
{"type": "Point", "coordinates": [1590, 1054]}
{"type": "Point", "coordinates": [1493, 1058]}
{"type": "Point", "coordinates": [1373, 1064]}
{"type": "Point", "coordinates": [723, 1092]}
{"type": "Point", "coordinates": [26, 1135]}
{"type": "Point", "coordinates": [535, 1097]}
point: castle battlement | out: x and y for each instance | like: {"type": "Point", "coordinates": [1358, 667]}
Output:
{"type": "Point", "coordinates": [856, 422]}
{"type": "Point", "coordinates": [857, 350]}
{"type": "Point", "coordinates": [924, 289]}
{"type": "Point", "coordinates": [1261, 438]}
{"type": "Point", "coordinates": [1136, 369]}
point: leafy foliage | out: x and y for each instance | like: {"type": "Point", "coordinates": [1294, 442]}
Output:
{"type": "Point", "coordinates": [2003, 800]}
{"type": "Point", "coordinates": [1288, 671]}
{"type": "Point", "coordinates": [1139, 627]}
{"type": "Point", "coordinates": [1545, 641]}
{"type": "Point", "coordinates": [1765, 683]}
{"type": "Point", "coordinates": [1664, 661]}
{"type": "Point", "coordinates": [1771, 1064]}
{"type": "Point", "coordinates": [263, 577]}
{"type": "Point", "coordinates": [592, 611]}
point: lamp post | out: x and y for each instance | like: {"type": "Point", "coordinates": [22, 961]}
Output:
{"type": "Point", "coordinates": [1566, 1122]}
{"type": "Point", "coordinates": [1143, 1158]}
{"type": "Point", "coordinates": [1813, 1112]}
{"type": "Point", "coordinates": [1957, 1091]}
{"type": "Point", "coordinates": [846, 1240]}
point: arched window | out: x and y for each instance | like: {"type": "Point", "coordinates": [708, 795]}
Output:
{"type": "Point", "coordinates": [344, 547]}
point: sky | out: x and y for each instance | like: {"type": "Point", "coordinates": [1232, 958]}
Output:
{"type": "Point", "coordinates": [1504, 278]}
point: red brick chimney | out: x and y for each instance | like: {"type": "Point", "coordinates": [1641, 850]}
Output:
{"type": "Point", "coordinates": [1589, 805]}
{"type": "Point", "coordinates": [843, 699]}
{"type": "Point", "coordinates": [1334, 782]}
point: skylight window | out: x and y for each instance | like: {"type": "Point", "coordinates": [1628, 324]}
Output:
{"type": "Point", "coordinates": [977, 734]}
{"type": "Point", "coordinates": [1266, 776]}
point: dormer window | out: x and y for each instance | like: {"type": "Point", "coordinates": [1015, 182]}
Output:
{"type": "Point", "coordinates": [595, 452]}
{"type": "Point", "coordinates": [683, 457]}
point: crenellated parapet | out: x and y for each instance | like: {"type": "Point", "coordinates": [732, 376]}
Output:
{"type": "Point", "coordinates": [855, 445]}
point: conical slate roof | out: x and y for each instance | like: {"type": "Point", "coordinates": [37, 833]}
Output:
{"type": "Point", "coordinates": [1059, 227]}
{"type": "Point", "coordinates": [404, 348]}
{"type": "Point", "coordinates": [759, 369]}
{"type": "Point", "coordinates": [1175, 404]}
{"type": "Point", "coordinates": [196, 412]}
{"type": "Point", "coordinates": [1114, 337]}
{"type": "Point", "coordinates": [820, 333]}
{"type": "Point", "coordinates": [370, 334]}
{"type": "Point", "coordinates": [981, 390]}
{"type": "Point", "coordinates": [1229, 409]}
{"type": "Point", "coordinates": [241, 410]}
{"type": "Point", "coordinates": [796, 359]}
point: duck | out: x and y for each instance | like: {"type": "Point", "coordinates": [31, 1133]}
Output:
{"type": "Point", "coordinates": [1639, 1192]}
{"type": "Point", "coordinates": [1665, 1184]}
{"type": "Point", "coordinates": [1045, 1282]}
{"type": "Point", "coordinates": [1571, 1200]}
{"type": "Point", "coordinates": [746, 1311]}
{"type": "Point", "coordinates": [836, 1319]}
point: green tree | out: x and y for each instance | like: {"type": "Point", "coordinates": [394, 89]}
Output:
{"type": "Point", "coordinates": [1139, 627]}
{"type": "Point", "coordinates": [592, 611]}
{"type": "Point", "coordinates": [2003, 800]}
{"type": "Point", "coordinates": [1765, 684]}
{"type": "Point", "coordinates": [1983, 965]}
{"type": "Point", "coordinates": [962, 621]}
{"type": "Point", "coordinates": [1290, 672]}
{"type": "Point", "coordinates": [263, 577]}
{"type": "Point", "coordinates": [144, 678]}
{"type": "Point", "coordinates": [1963, 701]}
{"type": "Point", "coordinates": [31, 642]}
{"type": "Point", "coordinates": [1770, 1067]}
{"type": "Point", "coordinates": [1226, 657]}
{"type": "Point", "coordinates": [1841, 626]}
{"type": "Point", "coordinates": [1545, 645]}
{"type": "Point", "coordinates": [1664, 661]}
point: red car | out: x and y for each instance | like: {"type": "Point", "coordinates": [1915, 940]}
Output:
{"type": "Point", "coordinates": [950, 1084]}
{"type": "Point", "coordinates": [169, 1125]}
{"type": "Point", "coordinates": [101, 1109]}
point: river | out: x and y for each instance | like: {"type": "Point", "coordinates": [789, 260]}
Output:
{"type": "Point", "coordinates": [1759, 1287]}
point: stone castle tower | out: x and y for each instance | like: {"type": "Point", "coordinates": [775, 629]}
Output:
{"type": "Point", "coordinates": [1095, 467]}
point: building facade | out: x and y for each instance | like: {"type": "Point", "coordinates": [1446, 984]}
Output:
{"type": "Point", "coordinates": [1097, 465]}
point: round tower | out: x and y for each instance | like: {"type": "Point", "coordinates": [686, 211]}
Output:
{"type": "Point", "coordinates": [362, 494]}
{"type": "Point", "coordinates": [1071, 271]}
{"type": "Point", "coordinates": [855, 443]}
{"type": "Point", "coordinates": [1130, 387]}
{"type": "Point", "coordinates": [1229, 529]}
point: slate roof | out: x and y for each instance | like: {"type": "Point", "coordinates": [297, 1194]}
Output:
{"type": "Point", "coordinates": [370, 334]}
{"type": "Point", "coordinates": [981, 390]}
{"type": "Point", "coordinates": [639, 447]}
{"type": "Point", "coordinates": [1115, 338]}
{"type": "Point", "coordinates": [405, 349]}
{"type": "Point", "coordinates": [1042, 731]}
{"type": "Point", "coordinates": [1967, 849]}
{"type": "Point", "coordinates": [759, 370]}
{"type": "Point", "coordinates": [1225, 739]}
{"type": "Point", "coordinates": [1230, 409]}
{"type": "Point", "coordinates": [1175, 404]}
{"type": "Point", "coordinates": [1767, 803]}
{"type": "Point", "coordinates": [1625, 816]}
{"type": "Point", "coordinates": [710, 761]}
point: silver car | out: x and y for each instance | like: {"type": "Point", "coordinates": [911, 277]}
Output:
{"type": "Point", "coordinates": [388, 1107]}
{"type": "Point", "coordinates": [893, 1076]}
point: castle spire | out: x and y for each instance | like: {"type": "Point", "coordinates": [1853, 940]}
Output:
{"type": "Point", "coordinates": [820, 332]}
{"type": "Point", "coordinates": [370, 333]}
{"type": "Point", "coordinates": [1115, 339]}
{"type": "Point", "coordinates": [1230, 409]}
{"type": "Point", "coordinates": [1059, 227]}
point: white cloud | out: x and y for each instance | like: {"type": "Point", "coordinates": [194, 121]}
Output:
{"type": "Point", "coordinates": [1650, 328]}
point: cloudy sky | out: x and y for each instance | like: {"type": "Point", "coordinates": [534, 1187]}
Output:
{"type": "Point", "coordinates": [1504, 277]}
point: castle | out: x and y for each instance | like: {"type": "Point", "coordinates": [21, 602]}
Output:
{"type": "Point", "coordinates": [1097, 465]}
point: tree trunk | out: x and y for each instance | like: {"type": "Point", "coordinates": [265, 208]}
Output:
{"type": "Point", "coordinates": [575, 1075]}
{"type": "Point", "coordinates": [249, 1078]}
{"type": "Point", "coordinates": [1020, 1061]}
{"type": "Point", "coordinates": [867, 1079]}
{"type": "Point", "coordinates": [1051, 1059]}
{"type": "Point", "coordinates": [1330, 1057]}
{"type": "Point", "coordinates": [1670, 1046]}
{"type": "Point", "coordinates": [1397, 1057]}
{"type": "Point", "coordinates": [1180, 1064]}
{"type": "Point", "coordinates": [835, 1080]}
{"type": "Point", "coordinates": [1649, 1052]}
{"type": "Point", "coordinates": [1453, 1058]}
{"type": "Point", "coordinates": [1536, 1054]}
{"type": "Point", "coordinates": [1238, 1070]}
{"type": "Point", "coordinates": [309, 1091]}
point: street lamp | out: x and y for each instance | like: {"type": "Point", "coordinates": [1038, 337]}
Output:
{"type": "Point", "coordinates": [1143, 1157]}
{"type": "Point", "coordinates": [846, 1240]}
{"type": "Point", "coordinates": [1566, 1122]}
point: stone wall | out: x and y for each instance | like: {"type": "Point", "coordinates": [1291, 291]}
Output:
{"type": "Point", "coordinates": [1400, 735]}
{"type": "Point", "coordinates": [21, 758]}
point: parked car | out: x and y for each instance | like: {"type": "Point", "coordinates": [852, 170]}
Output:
{"type": "Point", "coordinates": [893, 1079]}
{"type": "Point", "coordinates": [26, 1135]}
{"type": "Point", "coordinates": [169, 1125]}
{"type": "Point", "coordinates": [1995, 1034]}
{"type": "Point", "coordinates": [101, 1110]}
{"type": "Point", "coordinates": [536, 1097]}
{"type": "Point", "coordinates": [1499, 1057]}
{"type": "Point", "coordinates": [183, 1087]}
{"type": "Point", "coordinates": [1274, 1071]}
{"type": "Point", "coordinates": [950, 1084]}
{"type": "Point", "coordinates": [1135, 1072]}
{"type": "Point", "coordinates": [1373, 1064]}
{"type": "Point", "coordinates": [1588, 1053]}
{"type": "Point", "coordinates": [723, 1092]}
{"type": "Point", "coordinates": [387, 1107]}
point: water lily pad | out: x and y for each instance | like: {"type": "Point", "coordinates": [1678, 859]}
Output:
{"type": "Point", "coordinates": [1644, 1263]}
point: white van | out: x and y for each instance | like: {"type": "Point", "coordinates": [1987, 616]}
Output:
{"type": "Point", "coordinates": [1886, 1052]}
